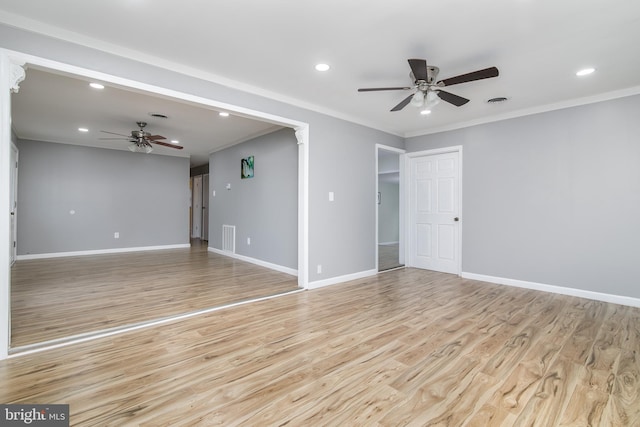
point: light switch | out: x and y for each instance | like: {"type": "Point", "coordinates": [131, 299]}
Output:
{"type": "Point", "coordinates": [214, 193]}
{"type": "Point", "coordinates": [331, 196]}
{"type": "Point", "coordinates": [228, 187]}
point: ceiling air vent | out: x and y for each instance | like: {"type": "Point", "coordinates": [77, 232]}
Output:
{"type": "Point", "coordinates": [496, 100]}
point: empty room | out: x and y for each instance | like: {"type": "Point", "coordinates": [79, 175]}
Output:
{"type": "Point", "coordinates": [320, 213]}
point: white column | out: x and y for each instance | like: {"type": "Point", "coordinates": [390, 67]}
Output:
{"type": "Point", "coordinates": [302, 135]}
{"type": "Point", "coordinates": [11, 74]}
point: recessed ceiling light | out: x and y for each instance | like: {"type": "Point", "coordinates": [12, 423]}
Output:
{"type": "Point", "coordinates": [425, 112]}
{"type": "Point", "coordinates": [175, 141]}
{"type": "Point", "coordinates": [223, 114]}
{"type": "Point", "coordinates": [96, 85]}
{"type": "Point", "coordinates": [83, 130]}
{"type": "Point", "coordinates": [585, 72]}
{"type": "Point", "coordinates": [322, 67]}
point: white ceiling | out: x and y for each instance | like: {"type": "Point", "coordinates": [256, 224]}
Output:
{"type": "Point", "coordinates": [52, 106]}
{"type": "Point", "coordinates": [271, 47]}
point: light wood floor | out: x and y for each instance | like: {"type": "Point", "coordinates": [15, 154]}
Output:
{"type": "Point", "coordinates": [61, 297]}
{"type": "Point", "coordinates": [407, 347]}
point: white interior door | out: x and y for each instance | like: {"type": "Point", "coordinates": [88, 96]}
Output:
{"type": "Point", "coordinates": [13, 200]}
{"type": "Point", "coordinates": [434, 211]}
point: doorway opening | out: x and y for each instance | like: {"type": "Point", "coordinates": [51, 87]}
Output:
{"type": "Point", "coordinates": [389, 200]}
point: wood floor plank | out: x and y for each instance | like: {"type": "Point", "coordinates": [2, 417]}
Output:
{"type": "Point", "coordinates": [406, 347]}
{"type": "Point", "coordinates": [624, 401]}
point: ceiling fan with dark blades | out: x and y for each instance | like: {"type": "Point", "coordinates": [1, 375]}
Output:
{"type": "Point", "coordinates": [141, 140]}
{"type": "Point", "coordinates": [428, 91]}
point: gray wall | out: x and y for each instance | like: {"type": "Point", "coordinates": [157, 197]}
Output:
{"type": "Point", "coordinates": [388, 210]}
{"type": "Point", "coordinates": [143, 197]}
{"type": "Point", "coordinates": [265, 207]}
{"type": "Point", "coordinates": [553, 198]}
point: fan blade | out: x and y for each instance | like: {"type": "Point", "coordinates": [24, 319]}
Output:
{"type": "Point", "coordinates": [115, 139]}
{"type": "Point", "coordinates": [419, 68]}
{"type": "Point", "coordinates": [403, 103]}
{"type": "Point", "coordinates": [154, 137]}
{"type": "Point", "coordinates": [456, 100]}
{"type": "Point", "coordinates": [469, 77]}
{"type": "Point", "coordinates": [166, 144]}
{"type": "Point", "coordinates": [113, 133]}
{"type": "Point", "coordinates": [372, 89]}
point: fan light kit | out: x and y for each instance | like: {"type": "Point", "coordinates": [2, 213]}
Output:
{"type": "Point", "coordinates": [428, 91]}
{"type": "Point", "coordinates": [141, 141]}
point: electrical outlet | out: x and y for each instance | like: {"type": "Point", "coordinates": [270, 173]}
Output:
{"type": "Point", "coordinates": [116, 235]}
{"type": "Point", "coordinates": [248, 240]}
{"type": "Point", "coordinates": [319, 269]}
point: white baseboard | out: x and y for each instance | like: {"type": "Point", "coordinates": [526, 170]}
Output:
{"type": "Point", "coordinates": [259, 262]}
{"type": "Point", "coordinates": [341, 279]}
{"type": "Point", "coordinates": [598, 296]}
{"type": "Point", "coordinates": [101, 251]}
{"type": "Point", "coordinates": [388, 243]}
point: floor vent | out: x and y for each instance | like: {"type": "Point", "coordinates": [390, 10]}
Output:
{"type": "Point", "coordinates": [229, 238]}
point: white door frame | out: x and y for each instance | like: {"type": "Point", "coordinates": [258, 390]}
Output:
{"type": "Point", "coordinates": [13, 250]}
{"type": "Point", "coordinates": [401, 206]}
{"type": "Point", "coordinates": [11, 73]}
{"type": "Point", "coordinates": [407, 187]}
{"type": "Point", "coordinates": [205, 207]}
{"type": "Point", "coordinates": [196, 207]}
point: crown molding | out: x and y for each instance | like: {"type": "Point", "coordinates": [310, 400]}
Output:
{"type": "Point", "coordinates": [607, 96]}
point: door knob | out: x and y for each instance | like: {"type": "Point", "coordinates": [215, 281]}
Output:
{"type": "Point", "coordinates": [456, 219]}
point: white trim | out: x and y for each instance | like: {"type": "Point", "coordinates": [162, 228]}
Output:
{"type": "Point", "coordinates": [90, 336]}
{"type": "Point", "coordinates": [341, 279]}
{"type": "Point", "coordinates": [432, 152]}
{"type": "Point", "coordinates": [607, 96]}
{"type": "Point", "coordinates": [133, 84]}
{"type": "Point", "coordinates": [5, 220]}
{"type": "Point", "coordinates": [302, 135]}
{"type": "Point", "coordinates": [388, 243]}
{"type": "Point", "coordinates": [400, 152]}
{"type": "Point", "coordinates": [301, 128]}
{"type": "Point", "coordinates": [101, 251]}
{"type": "Point", "coordinates": [581, 293]}
{"type": "Point", "coordinates": [255, 261]}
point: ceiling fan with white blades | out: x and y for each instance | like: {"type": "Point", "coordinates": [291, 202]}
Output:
{"type": "Point", "coordinates": [428, 91]}
{"type": "Point", "coordinates": [141, 140]}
